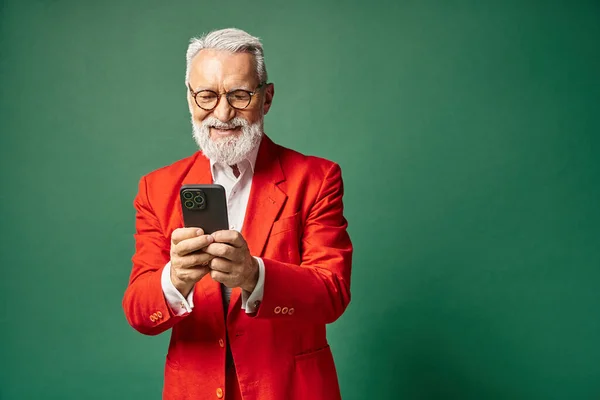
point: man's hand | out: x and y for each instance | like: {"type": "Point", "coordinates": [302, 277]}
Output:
{"type": "Point", "coordinates": [188, 264]}
{"type": "Point", "coordinates": [232, 265]}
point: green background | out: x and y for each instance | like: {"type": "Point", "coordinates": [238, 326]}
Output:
{"type": "Point", "coordinates": [468, 136]}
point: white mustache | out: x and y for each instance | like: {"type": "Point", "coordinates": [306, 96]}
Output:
{"type": "Point", "coordinates": [213, 122]}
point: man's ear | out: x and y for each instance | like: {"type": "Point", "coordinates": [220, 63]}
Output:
{"type": "Point", "coordinates": [269, 93]}
{"type": "Point", "coordinates": [190, 100]}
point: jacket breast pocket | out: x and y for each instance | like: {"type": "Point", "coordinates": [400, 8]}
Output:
{"type": "Point", "coordinates": [285, 224]}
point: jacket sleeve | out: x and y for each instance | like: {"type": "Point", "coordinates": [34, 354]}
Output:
{"type": "Point", "coordinates": [317, 290]}
{"type": "Point", "coordinates": [144, 303]}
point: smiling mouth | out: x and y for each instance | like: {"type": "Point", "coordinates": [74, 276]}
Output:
{"type": "Point", "coordinates": [225, 131]}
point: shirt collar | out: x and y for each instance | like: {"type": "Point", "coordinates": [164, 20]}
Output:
{"type": "Point", "coordinates": [250, 159]}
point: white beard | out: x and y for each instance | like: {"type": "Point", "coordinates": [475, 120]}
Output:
{"type": "Point", "coordinates": [227, 150]}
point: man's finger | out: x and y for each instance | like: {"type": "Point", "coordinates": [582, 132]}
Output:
{"type": "Point", "coordinates": [181, 234]}
{"type": "Point", "coordinates": [195, 260]}
{"type": "Point", "coordinates": [233, 238]}
{"type": "Point", "coordinates": [221, 277]}
{"type": "Point", "coordinates": [223, 250]}
{"type": "Point", "coordinates": [193, 274]}
{"type": "Point", "coordinates": [191, 245]}
{"type": "Point", "coordinates": [221, 265]}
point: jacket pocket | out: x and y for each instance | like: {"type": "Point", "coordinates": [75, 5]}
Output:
{"type": "Point", "coordinates": [285, 224]}
{"type": "Point", "coordinates": [315, 376]}
{"type": "Point", "coordinates": [175, 385]}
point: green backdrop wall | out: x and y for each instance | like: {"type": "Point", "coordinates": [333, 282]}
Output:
{"type": "Point", "coordinates": [468, 135]}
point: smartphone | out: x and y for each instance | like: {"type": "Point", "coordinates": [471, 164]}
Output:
{"type": "Point", "coordinates": [204, 206]}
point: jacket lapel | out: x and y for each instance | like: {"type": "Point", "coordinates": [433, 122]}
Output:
{"type": "Point", "coordinates": [199, 172]}
{"type": "Point", "coordinates": [266, 198]}
{"type": "Point", "coordinates": [265, 202]}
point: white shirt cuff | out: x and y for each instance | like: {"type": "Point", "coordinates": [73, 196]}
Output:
{"type": "Point", "coordinates": [179, 304]}
{"type": "Point", "coordinates": [251, 301]}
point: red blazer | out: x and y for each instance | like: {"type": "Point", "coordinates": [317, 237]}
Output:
{"type": "Point", "coordinates": [294, 221]}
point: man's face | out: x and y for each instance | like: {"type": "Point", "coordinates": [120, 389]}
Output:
{"type": "Point", "coordinates": [222, 72]}
{"type": "Point", "coordinates": [226, 134]}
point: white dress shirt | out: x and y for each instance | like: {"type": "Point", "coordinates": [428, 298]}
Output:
{"type": "Point", "coordinates": [237, 191]}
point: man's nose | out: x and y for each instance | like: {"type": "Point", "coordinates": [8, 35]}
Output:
{"type": "Point", "coordinates": [224, 112]}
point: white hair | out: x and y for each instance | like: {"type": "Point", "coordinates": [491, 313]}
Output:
{"type": "Point", "coordinates": [233, 40]}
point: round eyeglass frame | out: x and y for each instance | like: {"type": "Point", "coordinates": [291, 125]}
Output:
{"type": "Point", "coordinates": [251, 94]}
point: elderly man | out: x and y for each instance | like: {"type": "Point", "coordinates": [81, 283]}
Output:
{"type": "Point", "coordinates": [248, 306]}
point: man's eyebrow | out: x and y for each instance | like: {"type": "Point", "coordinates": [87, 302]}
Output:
{"type": "Point", "coordinates": [231, 89]}
{"type": "Point", "coordinates": [200, 88]}
{"type": "Point", "coordinates": [239, 87]}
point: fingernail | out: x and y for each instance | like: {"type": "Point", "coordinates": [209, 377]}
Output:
{"type": "Point", "coordinates": [199, 232]}
{"type": "Point", "coordinates": [210, 238]}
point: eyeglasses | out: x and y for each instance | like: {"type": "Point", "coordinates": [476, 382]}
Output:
{"type": "Point", "coordinates": [238, 99]}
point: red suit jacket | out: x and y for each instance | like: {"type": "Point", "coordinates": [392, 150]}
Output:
{"type": "Point", "coordinates": [294, 221]}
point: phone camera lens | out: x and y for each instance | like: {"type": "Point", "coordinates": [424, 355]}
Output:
{"type": "Point", "coordinates": [188, 195]}
{"type": "Point", "coordinates": [189, 204]}
{"type": "Point", "coordinates": [199, 200]}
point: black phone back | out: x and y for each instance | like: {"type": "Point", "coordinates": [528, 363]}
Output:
{"type": "Point", "coordinates": [204, 206]}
